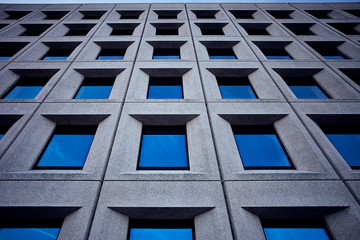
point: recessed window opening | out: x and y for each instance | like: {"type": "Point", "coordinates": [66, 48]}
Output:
{"type": "Point", "coordinates": [165, 88]}
{"type": "Point", "coordinates": [41, 229]}
{"type": "Point", "coordinates": [260, 147]}
{"type": "Point", "coordinates": [95, 88]}
{"type": "Point", "coordinates": [16, 15]}
{"type": "Point", "coordinates": [111, 54]}
{"type": "Point", "coordinates": [34, 29]}
{"type": "Point", "coordinates": [303, 229]}
{"type": "Point", "coordinates": [166, 53]}
{"type": "Point", "coordinates": [276, 53]}
{"type": "Point", "coordinates": [205, 14]}
{"type": "Point", "coordinates": [163, 148]}
{"type": "Point", "coordinates": [221, 53]}
{"type": "Point", "coordinates": [3, 130]}
{"type": "Point", "coordinates": [168, 229]}
{"type": "Point", "coordinates": [300, 28]}
{"type": "Point", "coordinates": [92, 14]}
{"type": "Point", "coordinates": [354, 12]}
{"type": "Point", "coordinates": [235, 88]}
{"type": "Point", "coordinates": [54, 15]}
{"type": "Point", "coordinates": [3, 25]}
{"type": "Point", "coordinates": [68, 147]}
{"type": "Point", "coordinates": [167, 14]}
{"type": "Point", "coordinates": [9, 49]}
{"type": "Point", "coordinates": [352, 73]}
{"type": "Point", "coordinates": [26, 88]}
{"type": "Point", "coordinates": [347, 28]}
{"type": "Point", "coordinates": [211, 28]}
{"type": "Point", "coordinates": [122, 28]}
{"type": "Point", "coordinates": [256, 28]}
{"type": "Point", "coordinates": [346, 140]}
{"type": "Point", "coordinates": [328, 50]}
{"type": "Point", "coordinates": [281, 14]}
{"type": "Point", "coordinates": [167, 28]}
{"type": "Point", "coordinates": [57, 54]}
{"type": "Point", "coordinates": [130, 14]}
{"type": "Point", "coordinates": [243, 14]}
{"type": "Point", "coordinates": [321, 14]}
{"type": "Point", "coordinates": [305, 88]}
{"type": "Point", "coordinates": [78, 29]}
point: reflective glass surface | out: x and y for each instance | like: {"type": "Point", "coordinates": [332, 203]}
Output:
{"type": "Point", "coordinates": [348, 145]}
{"type": "Point", "coordinates": [29, 233]}
{"type": "Point", "coordinates": [165, 92]}
{"type": "Point", "coordinates": [94, 92]}
{"type": "Point", "coordinates": [4, 58]}
{"type": "Point", "coordinates": [166, 53]}
{"type": "Point", "coordinates": [110, 57]}
{"type": "Point", "coordinates": [335, 57]}
{"type": "Point", "coordinates": [51, 58]}
{"type": "Point", "coordinates": [66, 150]}
{"type": "Point", "coordinates": [163, 147]}
{"type": "Point", "coordinates": [261, 150]}
{"type": "Point", "coordinates": [295, 234]}
{"type": "Point", "coordinates": [222, 57]}
{"type": "Point", "coordinates": [278, 57]}
{"type": "Point", "coordinates": [161, 234]}
{"type": "Point", "coordinates": [1, 135]}
{"type": "Point", "coordinates": [235, 88]}
{"type": "Point", "coordinates": [167, 57]}
{"type": "Point", "coordinates": [24, 92]}
{"type": "Point", "coordinates": [308, 92]}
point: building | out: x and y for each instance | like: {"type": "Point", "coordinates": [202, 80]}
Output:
{"type": "Point", "coordinates": [213, 121]}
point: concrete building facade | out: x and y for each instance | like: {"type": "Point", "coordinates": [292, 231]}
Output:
{"type": "Point", "coordinates": [269, 46]}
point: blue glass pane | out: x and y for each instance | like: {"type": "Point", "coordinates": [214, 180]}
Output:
{"type": "Point", "coordinates": [232, 92]}
{"type": "Point", "coordinates": [222, 57]}
{"type": "Point", "coordinates": [29, 233]}
{"type": "Point", "coordinates": [4, 58]}
{"type": "Point", "coordinates": [279, 57]}
{"type": "Point", "coordinates": [163, 151]}
{"type": "Point", "coordinates": [308, 92]}
{"type": "Point", "coordinates": [348, 145]}
{"type": "Point", "coordinates": [1, 135]}
{"type": "Point", "coordinates": [161, 234]}
{"type": "Point", "coordinates": [165, 92]}
{"type": "Point", "coordinates": [24, 92]}
{"type": "Point", "coordinates": [295, 234]}
{"type": "Point", "coordinates": [110, 57]}
{"type": "Point", "coordinates": [261, 150]}
{"type": "Point", "coordinates": [66, 151]}
{"type": "Point", "coordinates": [55, 58]}
{"type": "Point", "coordinates": [94, 92]}
{"type": "Point", "coordinates": [336, 57]}
{"type": "Point", "coordinates": [166, 57]}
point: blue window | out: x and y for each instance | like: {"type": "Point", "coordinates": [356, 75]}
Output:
{"type": "Point", "coordinates": [235, 88]}
{"type": "Point", "coordinates": [276, 54]}
{"type": "Point", "coordinates": [111, 54]}
{"type": "Point", "coordinates": [328, 50]}
{"type": "Point", "coordinates": [305, 88]}
{"type": "Point", "coordinates": [289, 229]}
{"type": "Point", "coordinates": [9, 49]}
{"type": "Point", "coordinates": [352, 73]}
{"type": "Point", "coordinates": [26, 88]}
{"type": "Point", "coordinates": [221, 53]}
{"type": "Point", "coordinates": [68, 148]}
{"type": "Point", "coordinates": [95, 88]}
{"type": "Point", "coordinates": [57, 54]}
{"type": "Point", "coordinates": [3, 130]}
{"type": "Point", "coordinates": [161, 229]}
{"type": "Point", "coordinates": [4, 58]}
{"type": "Point", "coordinates": [260, 148]}
{"type": "Point", "coordinates": [165, 88]}
{"type": "Point", "coordinates": [163, 147]}
{"type": "Point", "coordinates": [346, 140]}
{"type": "Point", "coordinates": [166, 53]}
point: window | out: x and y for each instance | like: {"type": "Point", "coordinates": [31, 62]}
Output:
{"type": "Point", "coordinates": [34, 29]}
{"type": "Point", "coordinates": [16, 15]}
{"type": "Point", "coordinates": [111, 54]}
{"type": "Point", "coordinates": [166, 53]}
{"type": "Point", "coordinates": [130, 14]}
{"type": "Point", "coordinates": [260, 148]}
{"type": "Point", "coordinates": [3, 25]}
{"type": "Point", "coordinates": [78, 29]}
{"type": "Point", "coordinates": [167, 14]}
{"type": "Point", "coordinates": [54, 15]}
{"type": "Point", "coordinates": [211, 28]}
{"type": "Point", "coordinates": [95, 88]}
{"type": "Point", "coordinates": [92, 14]}
{"type": "Point", "coordinates": [347, 28]}
{"type": "Point", "coordinates": [281, 14]}
{"type": "Point", "coordinates": [205, 14]}
{"type": "Point", "coordinates": [161, 229]}
{"type": "Point", "coordinates": [165, 88]}
{"type": "Point", "coordinates": [321, 14]}
{"type": "Point", "coordinates": [328, 50]}
{"type": "Point", "coordinates": [122, 28]}
{"type": "Point", "coordinates": [68, 148]}
{"type": "Point", "coordinates": [354, 12]}
{"type": "Point", "coordinates": [352, 73]}
{"type": "Point", "coordinates": [255, 28]}
{"type": "Point", "coordinates": [310, 229]}
{"type": "Point", "coordinates": [243, 14]}
{"type": "Point", "coordinates": [221, 53]}
{"type": "Point", "coordinates": [235, 88]}
{"type": "Point", "coordinates": [274, 50]}
{"type": "Point", "coordinates": [305, 88]}
{"type": "Point", "coordinates": [3, 130]}
{"type": "Point", "coordinates": [30, 229]}
{"type": "Point", "coordinates": [167, 28]}
{"type": "Point", "coordinates": [163, 148]}
{"type": "Point", "coordinates": [9, 49]}
{"type": "Point", "coordinates": [26, 88]}
{"type": "Point", "coordinates": [300, 28]}
{"type": "Point", "coordinates": [346, 140]}
{"type": "Point", "coordinates": [59, 51]}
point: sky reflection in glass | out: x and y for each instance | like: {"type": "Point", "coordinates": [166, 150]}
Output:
{"type": "Point", "coordinates": [161, 234]}
{"type": "Point", "coordinates": [308, 92]}
{"type": "Point", "coordinates": [261, 150]}
{"type": "Point", "coordinates": [295, 234]}
{"type": "Point", "coordinates": [66, 150]}
{"type": "Point", "coordinates": [54, 58]}
{"type": "Point", "coordinates": [29, 233]}
{"type": "Point", "coordinates": [1, 135]}
{"type": "Point", "coordinates": [237, 91]}
{"type": "Point", "coordinates": [24, 92]}
{"type": "Point", "coordinates": [110, 57]}
{"type": "Point", "coordinates": [94, 92]}
{"type": "Point", "coordinates": [222, 57]}
{"type": "Point", "coordinates": [4, 58]}
{"type": "Point", "coordinates": [165, 92]}
{"type": "Point", "coordinates": [348, 145]}
{"type": "Point", "coordinates": [167, 57]}
{"type": "Point", "coordinates": [272, 57]}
